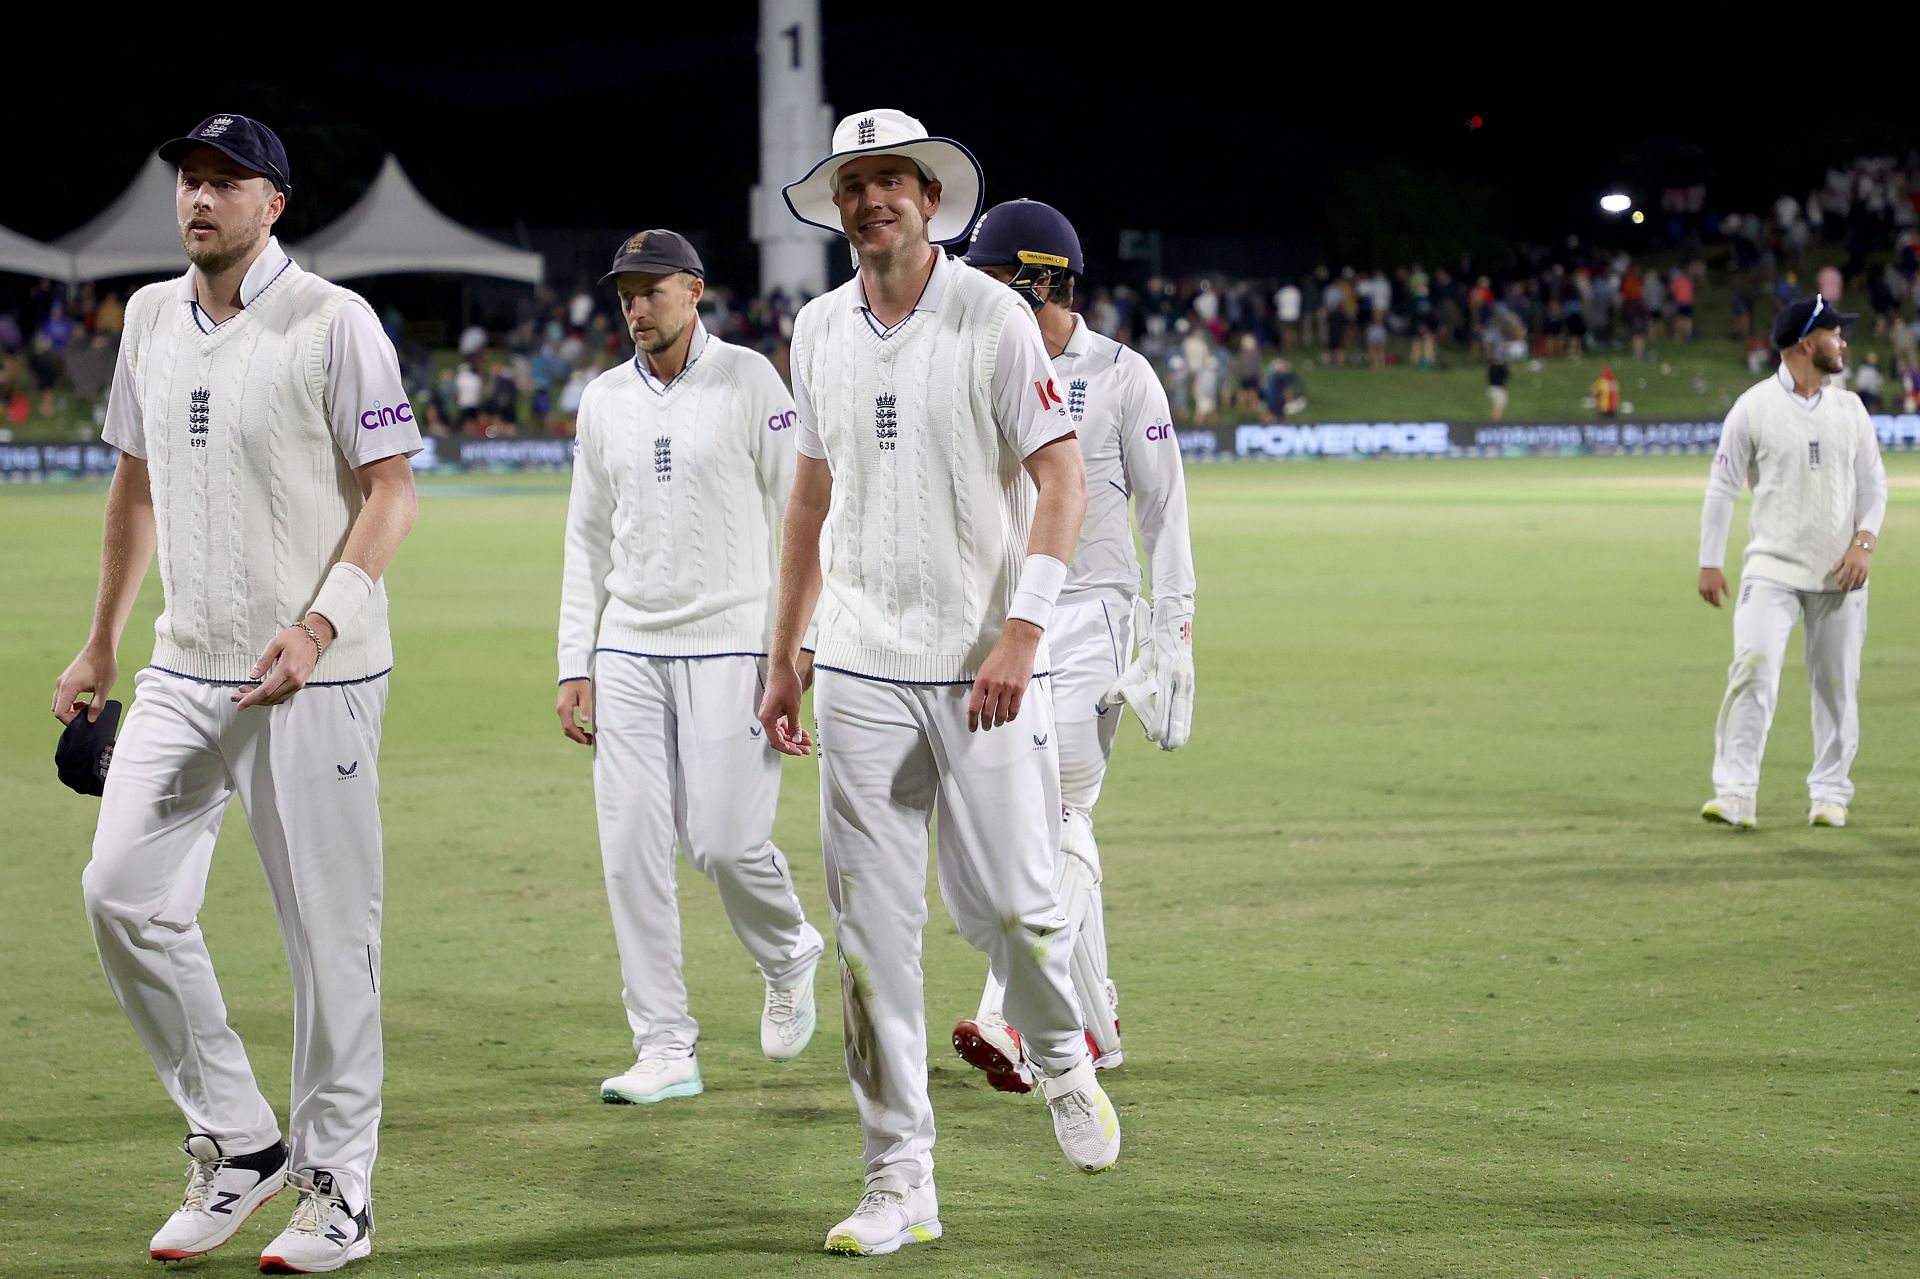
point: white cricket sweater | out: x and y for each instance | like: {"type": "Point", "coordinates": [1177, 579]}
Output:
{"type": "Point", "coordinates": [252, 494]}
{"type": "Point", "coordinates": [932, 506]}
{"type": "Point", "coordinates": [1815, 469]}
{"type": "Point", "coordinates": [678, 493]}
{"type": "Point", "coordinates": [1119, 410]}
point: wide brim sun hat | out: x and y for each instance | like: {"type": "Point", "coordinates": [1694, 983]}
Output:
{"type": "Point", "coordinates": [884, 131]}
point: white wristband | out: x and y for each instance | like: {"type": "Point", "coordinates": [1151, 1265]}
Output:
{"type": "Point", "coordinates": [1040, 583]}
{"type": "Point", "coordinates": [345, 591]}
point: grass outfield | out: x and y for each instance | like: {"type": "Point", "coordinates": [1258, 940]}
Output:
{"type": "Point", "coordinates": [1427, 966]}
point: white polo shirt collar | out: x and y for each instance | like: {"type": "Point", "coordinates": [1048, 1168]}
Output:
{"type": "Point", "coordinates": [268, 267]}
{"type": "Point", "coordinates": [695, 349]}
{"type": "Point", "coordinates": [929, 300]}
{"type": "Point", "coordinates": [1080, 341]}
{"type": "Point", "coordinates": [1784, 376]}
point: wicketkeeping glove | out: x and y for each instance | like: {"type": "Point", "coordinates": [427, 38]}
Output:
{"type": "Point", "coordinates": [1159, 683]}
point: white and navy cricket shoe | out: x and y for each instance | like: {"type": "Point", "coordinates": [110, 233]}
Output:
{"type": "Point", "coordinates": [222, 1192]}
{"type": "Point", "coordinates": [1084, 1120]}
{"type": "Point", "coordinates": [887, 1220]}
{"type": "Point", "coordinates": [654, 1079]}
{"type": "Point", "coordinates": [325, 1234]}
{"type": "Point", "coordinates": [788, 1018]}
{"type": "Point", "coordinates": [993, 1046]}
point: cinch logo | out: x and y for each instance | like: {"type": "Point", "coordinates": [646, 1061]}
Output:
{"type": "Point", "coordinates": [662, 458]}
{"type": "Point", "coordinates": [380, 415]}
{"type": "Point", "coordinates": [1077, 398]}
{"type": "Point", "coordinates": [886, 422]}
{"type": "Point", "coordinates": [782, 421]}
{"type": "Point", "coordinates": [866, 132]}
{"type": "Point", "coordinates": [1049, 398]}
{"type": "Point", "coordinates": [217, 126]}
{"type": "Point", "coordinates": [1160, 430]}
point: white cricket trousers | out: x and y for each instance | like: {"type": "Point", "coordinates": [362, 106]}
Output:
{"type": "Point", "coordinates": [679, 756]}
{"type": "Point", "coordinates": [307, 774]}
{"type": "Point", "coordinates": [891, 757]}
{"type": "Point", "coordinates": [1090, 644]}
{"type": "Point", "coordinates": [1763, 617]}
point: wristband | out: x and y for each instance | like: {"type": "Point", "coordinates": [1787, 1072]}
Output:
{"type": "Point", "coordinates": [1040, 583]}
{"type": "Point", "coordinates": [345, 591]}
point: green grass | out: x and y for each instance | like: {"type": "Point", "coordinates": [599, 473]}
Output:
{"type": "Point", "coordinates": [1428, 967]}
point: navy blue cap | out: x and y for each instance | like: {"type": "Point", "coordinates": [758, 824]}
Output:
{"type": "Point", "coordinates": [1804, 316]}
{"type": "Point", "coordinates": [1025, 233]}
{"type": "Point", "coordinates": [85, 750]}
{"type": "Point", "coordinates": [657, 252]}
{"type": "Point", "coordinates": [244, 141]}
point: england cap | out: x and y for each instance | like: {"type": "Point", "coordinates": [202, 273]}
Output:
{"type": "Point", "coordinates": [85, 750]}
{"type": "Point", "coordinates": [656, 253]}
{"type": "Point", "coordinates": [1799, 318]}
{"type": "Point", "coordinates": [244, 141]}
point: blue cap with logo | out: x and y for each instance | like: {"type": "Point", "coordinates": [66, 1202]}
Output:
{"type": "Point", "coordinates": [243, 140]}
{"type": "Point", "coordinates": [1799, 318]}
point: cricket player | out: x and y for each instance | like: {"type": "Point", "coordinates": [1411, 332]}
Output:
{"type": "Point", "coordinates": [1809, 452]}
{"type": "Point", "coordinates": [938, 495]}
{"type": "Point", "coordinates": [264, 434]}
{"type": "Point", "coordinates": [680, 470]}
{"type": "Point", "coordinates": [1120, 415]}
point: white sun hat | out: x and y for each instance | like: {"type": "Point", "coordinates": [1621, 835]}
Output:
{"type": "Point", "coordinates": [884, 131]}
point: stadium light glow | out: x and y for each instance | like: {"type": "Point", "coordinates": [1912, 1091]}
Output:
{"type": "Point", "coordinates": [1638, 217]}
{"type": "Point", "coordinates": [1616, 202]}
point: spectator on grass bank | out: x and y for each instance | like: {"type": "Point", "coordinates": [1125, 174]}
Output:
{"type": "Point", "coordinates": [469, 389]}
{"type": "Point", "coordinates": [1497, 374]}
{"type": "Point", "coordinates": [1284, 393]}
{"type": "Point", "coordinates": [1680, 289]}
{"type": "Point", "coordinates": [1606, 394]}
{"type": "Point", "coordinates": [1247, 375]}
{"type": "Point", "coordinates": [1869, 383]}
{"type": "Point", "coordinates": [1286, 310]}
{"type": "Point", "coordinates": [110, 317]}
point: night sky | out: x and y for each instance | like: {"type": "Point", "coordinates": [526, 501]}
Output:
{"type": "Point", "coordinates": [1230, 128]}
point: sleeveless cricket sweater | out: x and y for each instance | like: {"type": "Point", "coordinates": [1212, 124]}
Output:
{"type": "Point", "coordinates": [1804, 487]}
{"type": "Point", "coordinates": [252, 498]}
{"type": "Point", "coordinates": [931, 508]}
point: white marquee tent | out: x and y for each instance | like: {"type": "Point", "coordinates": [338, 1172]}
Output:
{"type": "Point", "coordinates": [393, 229]}
{"type": "Point", "coordinates": [23, 256]}
{"type": "Point", "coordinates": [136, 234]}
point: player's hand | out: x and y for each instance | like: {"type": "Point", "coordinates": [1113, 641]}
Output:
{"type": "Point", "coordinates": [93, 671]}
{"type": "Point", "coordinates": [1851, 571]}
{"type": "Point", "coordinates": [575, 710]}
{"type": "Point", "coordinates": [804, 667]}
{"type": "Point", "coordinates": [282, 670]}
{"type": "Point", "coordinates": [1713, 586]}
{"type": "Point", "coordinates": [780, 709]}
{"type": "Point", "coordinates": [1001, 685]}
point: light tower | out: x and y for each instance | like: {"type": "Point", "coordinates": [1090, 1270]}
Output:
{"type": "Point", "coordinates": [795, 124]}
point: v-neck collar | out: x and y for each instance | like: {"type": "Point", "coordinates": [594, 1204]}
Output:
{"type": "Point", "coordinates": [267, 268]}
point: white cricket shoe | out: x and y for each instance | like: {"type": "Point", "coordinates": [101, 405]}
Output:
{"type": "Point", "coordinates": [788, 1018]}
{"type": "Point", "coordinates": [654, 1079]}
{"type": "Point", "coordinates": [1083, 1118]}
{"type": "Point", "coordinates": [1827, 812]}
{"type": "Point", "coordinates": [887, 1220]}
{"type": "Point", "coordinates": [324, 1234]}
{"type": "Point", "coordinates": [1731, 810]}
{"type": "Point", "coordinates": [222, 1192]}
{"type": "Point", "coordinates": [991, 1045]}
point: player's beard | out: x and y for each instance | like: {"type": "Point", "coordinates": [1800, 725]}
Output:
{"type": "Point", "coordinates": [227, 248]}
{"type": "Point", "coordinates": [1830, 363]}
{"type": "Point", "coordinates": [661, 340]}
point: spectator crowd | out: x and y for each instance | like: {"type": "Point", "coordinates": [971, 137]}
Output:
{"type": "Point", "coordinates": [1228, 350]}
